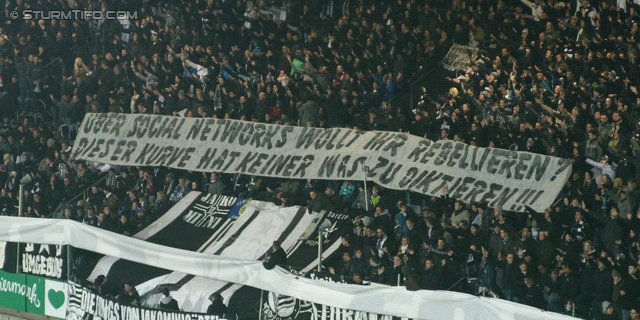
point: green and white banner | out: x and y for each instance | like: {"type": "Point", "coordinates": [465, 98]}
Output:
{"type": "Point", "coordinates": [33, 294]}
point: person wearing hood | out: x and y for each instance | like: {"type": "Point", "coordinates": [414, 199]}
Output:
{"type": "Point", "coordinates": [167, 302]}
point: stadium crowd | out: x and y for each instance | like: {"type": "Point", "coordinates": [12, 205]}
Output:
{"type": "Point", "coordinates": [552, 77]}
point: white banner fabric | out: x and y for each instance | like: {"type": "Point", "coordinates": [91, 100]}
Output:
{"type": "Point", "coordinates": [498, 177]}
{"type": "Point", "coordinates": [394, 301]}
{"type": "Point", "coordinates": [457, 57]}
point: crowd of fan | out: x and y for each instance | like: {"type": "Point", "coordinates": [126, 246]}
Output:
{"type": "Point", "coordinates": [557, 78]}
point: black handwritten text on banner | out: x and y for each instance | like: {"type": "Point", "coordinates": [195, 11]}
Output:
{"type": "Point", "coordinates": [396, 160]}
{"type": "Point", "coordinates": [86, 305]}
{"type": "Point", "coordinates": [457, 57]}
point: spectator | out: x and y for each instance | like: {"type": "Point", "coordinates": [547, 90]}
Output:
{"type": "Point", "coordinates": [110, 199]}
{"type": "Point", "coordinates": [345, 267]}
{"type": "Point", "coordinates": [129, 295]}
{"type": "Point", "coordinates": [181, 190]}
{"type": "Point", "coordinates": [534, 296]}
{"type": "Point", "coordinates": [91, 218]}
{"type": "Point", "coordinates": [276, 257]}
{"type": "Point", "coordinates": [167, 302]}
{"type": "Point", "coordinates": [215, 185]}
{"type": "Point", "coordinates": [318, 202]}
{"type": "Point", "coordinates": [125, 227]}
{"type": "Point", "coordinates": [430, 277]}
{"type": "Point", "coordinates": [217, 306]}
{"type": "Point", "coordinates": [551, 79]}
{"type": "Point", "coordinates": [104, 287]}
{"type": "Point", "coordinates": [103, 221]}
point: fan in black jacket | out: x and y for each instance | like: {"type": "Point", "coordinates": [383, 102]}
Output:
{"type": "Point", "coordinates": [216, 307]}
{"type": "Point", "coordinates": [277, 256]}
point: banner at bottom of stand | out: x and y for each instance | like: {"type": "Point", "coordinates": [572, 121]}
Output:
{"type": "Point", "coordinates": [84, 304]}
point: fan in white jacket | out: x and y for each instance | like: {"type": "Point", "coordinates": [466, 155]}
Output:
{"type": "Point", "coordinates": [536, 8]}
{"type": "Point", "coordinates": [200, 70]}
{"type": "Point", "coordinates": [603, 167]}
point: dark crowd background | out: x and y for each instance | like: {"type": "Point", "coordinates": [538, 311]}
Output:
{"type": "Point", "coordinates": [551, 77]}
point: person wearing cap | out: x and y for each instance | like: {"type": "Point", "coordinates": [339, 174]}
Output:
{"type": "Point", "coordinates": [182, 103]}
{"type": "Point", "coordinates": [157, 108]}
{"type": "Point", "coordinates": [91, 218]}
{"type": "Point", "coordinates": [69, 214]}
{"type": "Point", "coordinates": [608, 312]}
{"type": "Point", "coordinates": [532, 146]}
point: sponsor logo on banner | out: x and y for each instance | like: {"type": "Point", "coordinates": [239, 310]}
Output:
{"type": "Point", "coordinates": [458, 57]}
{"type": "Point", "coordinates": [55, 299]}
{"type": "Point", "coordinates": [43, 260]}
{"type": "Point", "coordinates": [238, 209]}
{"type": "Point", "coordinates": [14, 291]}
{"type": "Point", "coordinates": [86, 305]}
{"type": "Point", "coordinates": [33, 294]}
{"type": "Point", "coordinates": [210, 210]}
{"type": "Point", "coordinates": [398, 160]}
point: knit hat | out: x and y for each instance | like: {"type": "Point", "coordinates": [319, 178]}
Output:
{"type": "Point", "coordinates": [605, 306]}
{"type": "Point", "coordinates": [615, 273]}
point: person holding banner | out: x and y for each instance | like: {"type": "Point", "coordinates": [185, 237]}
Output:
{"type": "Point", "coordinates": [277, 256]}
{"type": "Point", "coordinates": [129, 295]}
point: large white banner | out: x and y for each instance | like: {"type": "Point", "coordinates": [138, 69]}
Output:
{"type": "Point", "coordinates": [458, 57]}
{"type": "Point", "coordinates": [393, 301]}
{"type": "Point", "coordinates": [85, 304]}
{"type": "Point", "coordinates": [400, 161]}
